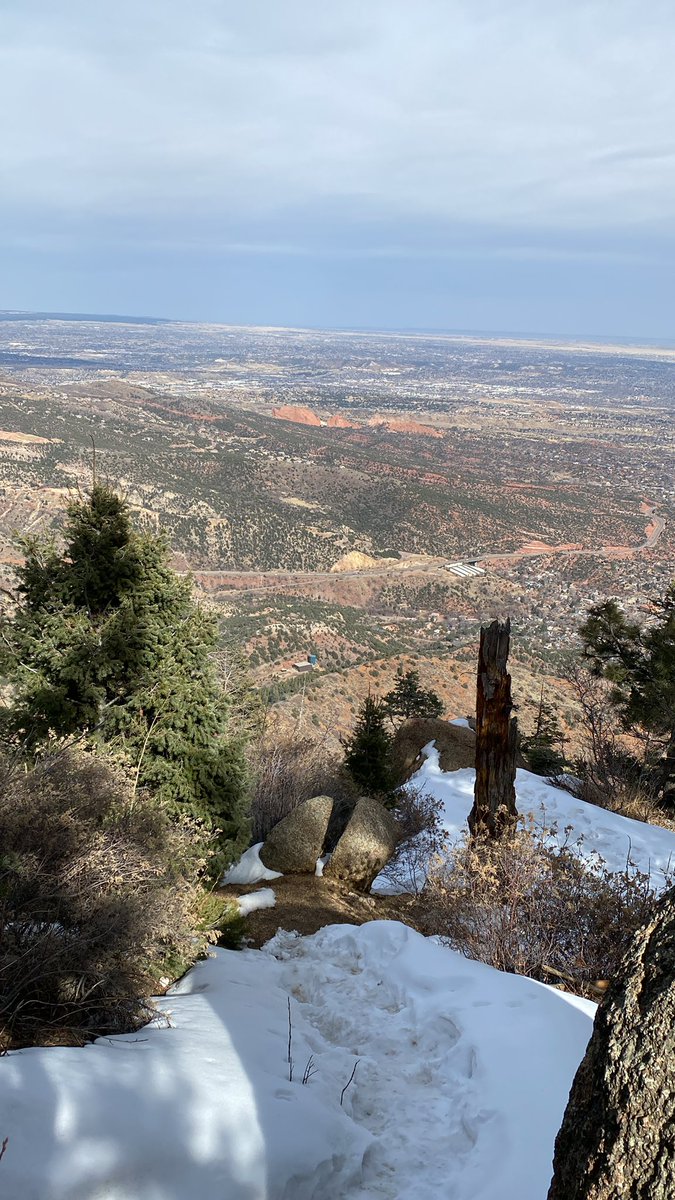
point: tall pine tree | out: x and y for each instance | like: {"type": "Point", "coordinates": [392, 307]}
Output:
{"type": "Point", "coordinates": [368, 750]}
{"type": "Point", "coordinates": [106, 641]}
{"type": "Point", "coordinates": [639, 662]}
{"type": "Point", "coordinates": [408, 699]}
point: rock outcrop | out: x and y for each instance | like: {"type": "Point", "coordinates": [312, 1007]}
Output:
{"type": "Point", "coordinates": [455, 743]}
{"type": "Point", "coordinates": [294, 845]}
{"type": "Point", "coordinates": [356, 560]}
{"type": "Point", "coordinates": [296, 413]}
{"type": "Point", "coordinates": [366, 845]}
{"type": "Point", "coordinates": [618, 1134]}
{"type": "Point", "coordinates": [405, 425]}
{"type": "Point", "coordinates": [340, 421]}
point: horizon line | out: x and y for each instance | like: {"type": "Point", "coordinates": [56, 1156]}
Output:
{"type": "Point", "coordinates": [578, 339]}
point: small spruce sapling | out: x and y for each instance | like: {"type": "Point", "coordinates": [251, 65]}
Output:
{"type": "Point", "coordinates": [368, 750]}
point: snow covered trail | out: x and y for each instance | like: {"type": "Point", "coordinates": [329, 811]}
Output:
{"type": "Point", "coordinates": [196, 1107]}
{"type": "Point", "coordinates": [463, 1072]}
{"type": "Point", "coordinates": [462, 1078]}
{"type": "Point", "coordinates": [460, 1089]}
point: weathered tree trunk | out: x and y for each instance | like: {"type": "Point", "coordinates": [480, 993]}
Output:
{"type": "Point", "coordinates": [617, 1140]}
{"type": "Point", "coordinates": [494, 804]}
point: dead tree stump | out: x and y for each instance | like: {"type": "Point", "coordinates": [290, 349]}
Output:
{"type": "Point", "coordinates": [617, 1140]}
{"type": "Point", "coordinates": [494, 805]}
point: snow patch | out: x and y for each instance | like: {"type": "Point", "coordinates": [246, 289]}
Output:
{"type": "Point", "coordinates": [263, 898]}
{"type": "Point", "coordinates": [462, 1079]}
{"type": "Point", "coordinates": [596, 833]}
{"type": "Point", "coordinates": [249, 869]}
{"type": "Point", "coordinates": [320, 864]}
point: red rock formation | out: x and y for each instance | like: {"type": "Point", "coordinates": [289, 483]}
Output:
{"type": "Point", "coordinates": [297, 414]}
{"type": "Point", "coordinates": [339, 421]}
{"type": "Point", "coordinates": [401, 425]}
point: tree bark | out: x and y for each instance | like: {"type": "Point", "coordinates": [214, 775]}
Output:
{"type": "Point", "coordinates": [617, 1140]}
{"type": "Point", "coordinates": [494, 805]}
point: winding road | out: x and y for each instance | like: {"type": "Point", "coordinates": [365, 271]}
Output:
{"type": "Point", "coordinates": [654, 529]}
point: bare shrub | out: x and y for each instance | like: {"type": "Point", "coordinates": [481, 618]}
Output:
{"type": "Point", "coordinates": [99, 898]}
{"type": "Point", "coordinates": [628, 798]}
{"type": "Point", "coordinates": [422, 841]}
{"type": "Point", "coordinates": [530, 909]}
{"type": "Point", "coordinates": [618, 771]}
{"type": "Point", "coordinates": [288, 770]}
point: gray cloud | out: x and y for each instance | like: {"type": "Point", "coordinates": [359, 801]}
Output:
{"type": "Point", "coordinates": [495, 164]}
{"type": "Point", "coordinates": [515, 114]}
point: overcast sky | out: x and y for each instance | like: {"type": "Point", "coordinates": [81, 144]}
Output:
{"type": "Point", "coordinates": [439, 164]}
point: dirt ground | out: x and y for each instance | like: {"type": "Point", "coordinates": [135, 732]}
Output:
{"type": "Point", "coordinates": [306, 903]}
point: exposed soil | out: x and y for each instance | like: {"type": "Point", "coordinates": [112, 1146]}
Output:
{"type": "Point", "coordinates": [306, 903]}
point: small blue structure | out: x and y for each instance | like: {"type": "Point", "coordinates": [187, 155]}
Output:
{"type": "Point", "coordinates": [311, 658]}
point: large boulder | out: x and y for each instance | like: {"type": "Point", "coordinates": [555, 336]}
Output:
{"type": "Point", "coordinates": [366, 845]}
{"type": "Point", "coordinates": [294, 845]}
{"type": "Point", "coordinates": [455, 743]}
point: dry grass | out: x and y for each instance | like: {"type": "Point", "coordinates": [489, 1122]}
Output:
{"type": "Point", "coordinates": [522, 907]}
{"type": "Point", "coordinates": [628, 799]}
{"type": "Point", "coordinates": [98, 899]}
{"type": "Point", "coordinates": [290, 769]}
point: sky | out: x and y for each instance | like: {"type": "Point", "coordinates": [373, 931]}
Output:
{"type": "Point", "coordinates": [390, 164]}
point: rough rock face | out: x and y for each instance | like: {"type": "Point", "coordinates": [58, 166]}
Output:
{"type": "Point", "coordinates": [367, 843]}
{"type": "Point", "coordinates": [456, 744]}
{"type": "Point", "coordinates": [617, 1140]}
{"type": "Point", "coordinates": [294, 845]}
{"type": "Point", "coordinates": [296, 413]}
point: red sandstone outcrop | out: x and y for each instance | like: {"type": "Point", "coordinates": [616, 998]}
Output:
{"type": "Point", "coordinates": [401, 425]}
{"type": "Point", "coordinates": [298, 414]}
{"type": "Point", "coordinates": [340, 421]}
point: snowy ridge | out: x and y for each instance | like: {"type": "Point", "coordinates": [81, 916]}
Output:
{"type": "Point", "coordinates": [604, 834]}
{"type": "Point", "coordinates": [462, 1077]}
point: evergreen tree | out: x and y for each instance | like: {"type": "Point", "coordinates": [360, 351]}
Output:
{"type": "Point", "coordinates": [368, 750]}
{"type": "Point", "coordinates": [544, 748]}
{"type": "Point", "coordinates": [639, 662]}
{"type": "Point", "coordinates": [408, 699]}
{"type": "Point", "coordinates": [106, 642]}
